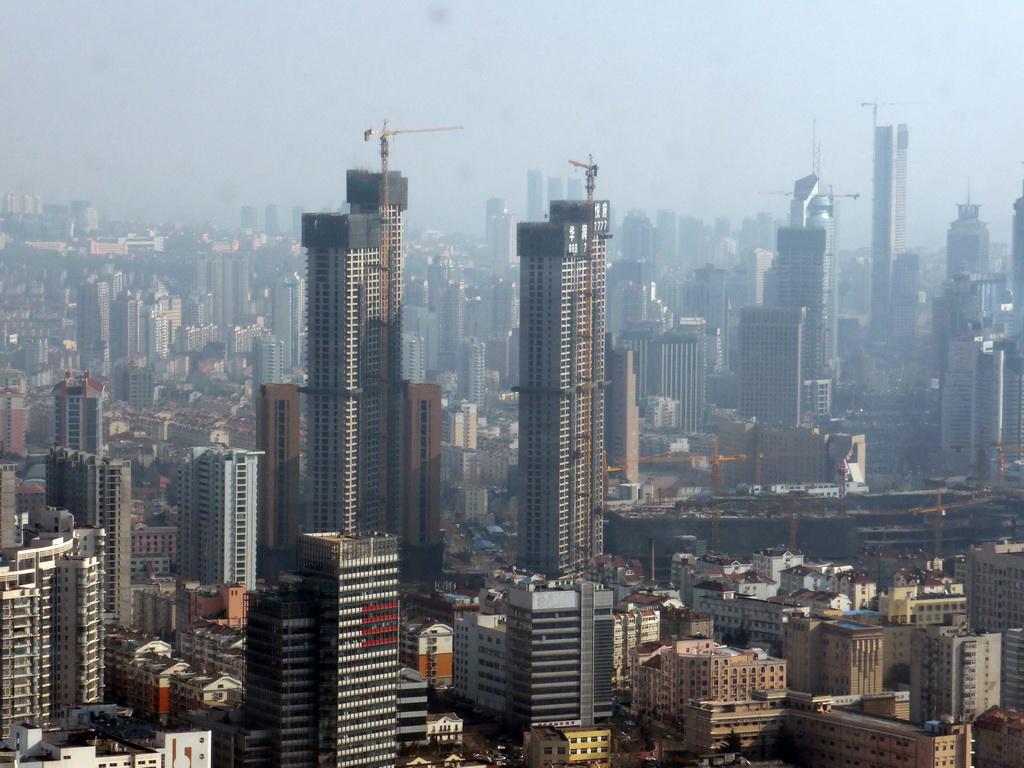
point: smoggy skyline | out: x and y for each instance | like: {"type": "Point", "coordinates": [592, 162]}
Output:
{"type": "Point", "coordinates": [189, 111]}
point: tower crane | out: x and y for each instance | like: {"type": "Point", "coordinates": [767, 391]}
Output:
{"type": "Point", "coordinates": [876, 104]}
{"type": "Point", "coordinates": [385, 223]}
{"type": "Point", "coordinates": [1002, 448]}
{"type": "Point", "coordinates": [939, 510]}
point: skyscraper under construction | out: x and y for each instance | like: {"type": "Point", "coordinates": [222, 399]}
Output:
{"type": "Point", "coordinates": [354, 393]}
{"type": "Point", "coordinates": [561, 403]}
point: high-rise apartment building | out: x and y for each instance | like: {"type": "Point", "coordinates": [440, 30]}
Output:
{"type": "Point", "coordinates": [559, 638]}
{"type": "Point", "coordinates": [97, 491]}
{"type": "Point", "coordinates": [133, 383]}
{"type": "Point", "coordinates": [51, 628]}
{"type": "Point", "coordinates": [125, 326]}
{"type": "Point", "coordinates": [473, 370]}
{"type": "Point", "coordinates": [771, 343]}
{"type": "Point", "coordinates": [995, 586]}
{"type": "Point", "coordinates": [12, 422]}
{"type": "Point", "coordinates": [247, 218]}
{"type": "Point", "coordinates": [889, 217]}
{"type": "Point", "coordinates": [967, 243]}
{"type": "Point", "coordinates": [289, 318]}
{"type": "Point", "coordinates": [226, 277]}
{"type": "Point", "coordinates": [94, 323]}
{"type": "Point", "coordinates": [354, 359]}
{"type": "Point", "coordinates": [78, 413]}
{"type": "Point", "coordinates": [621, 415]}
{"type": "Point", "coordinates": [279, 499]}
{"type": "Point", "coordinates": [954, 672]}
{"type": "Point", "coordinates": [500, 232]}
{"type": "Point", "coordinates": [334, 701]}
{"type": "Point", "coordinates": [268, 361]}
{"type": "Point", "coordinates": [217, 497]}
{"type": "Point", "coordinates": [561, 403]}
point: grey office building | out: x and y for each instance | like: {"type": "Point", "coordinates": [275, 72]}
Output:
{"type": "Point", "coordinates": [559, 653]}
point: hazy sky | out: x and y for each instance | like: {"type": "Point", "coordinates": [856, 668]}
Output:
{"type": "Point", "coordinates": [192, 109]}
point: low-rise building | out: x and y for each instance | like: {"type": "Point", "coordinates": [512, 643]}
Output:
{"type": "Point", "coordinates": [427, 648]}
{"type": "Point", "coordinates": [920, 606]}
{"type": "Point", "coordinates": [834, 656]}
{"type": "Point", "coordinates": [580, 746]}
{"type": "Point", "coordinates": [444, 728]}
{"type": "Point", "coordinates": [116, 746]}
{"type": "Point", "coordinates": [822, 733]}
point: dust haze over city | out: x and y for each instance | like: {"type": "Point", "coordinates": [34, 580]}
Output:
{"type": "Point", "coordinates": [447, 384]}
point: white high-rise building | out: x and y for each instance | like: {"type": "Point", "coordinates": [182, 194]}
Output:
{"type": "Point", "coordinates": [51, 625]}
{"type": "Point", "coordinates": [473, 371]}
{"type": "Point", "coordinates": [217, 495]}
{"type": "Point", "coordinates": [561, 399]}
{"type": "Point", "coordinates": [268, 361]}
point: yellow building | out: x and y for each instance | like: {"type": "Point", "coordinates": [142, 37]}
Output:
{"type": "Point", "coordinates": [907, 605]}
{"type": "Point", "coordinates": [547, 745]}
{"type": "Point", "coordinates": [835, 656]}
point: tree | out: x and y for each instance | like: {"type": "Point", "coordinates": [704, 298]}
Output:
{"type": "Point", "coordinates": [733, 744]}
{"type": "Point", "coordinates": [786, 748]}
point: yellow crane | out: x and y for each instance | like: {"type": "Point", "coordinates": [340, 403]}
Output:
{"type": "Point", "coordinates": [939, 510]}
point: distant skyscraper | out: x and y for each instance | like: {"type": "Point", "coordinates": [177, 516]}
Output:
{"type": "Point", "coordinates": [217, 494]}
{"type": "Point", "coordinates": [501, 233]}
{"type": "Point", "coordinates": [268, 364]}
{"type": "Point", "coordinates": [770, 383]}
{"type": "Point", "coordinates": [534, 196]}
{"type": "Point", "coordinates": [94, 324]}
{"type": "Point", "coordinates": [341, 606]}
{"type": "Point", "coordinates": [279, 498]}
{"type": "Point", "coordinates": [78, 413]}
{"type": "Point", "coordinates": [125, 326]}
{"type": "Point", "coordinates": [226, 277]}
{"type": "Point", "coordinates": [693, 241]}
{"type": "Point", "coordinates": [354, 359]}
{"type": "Point", "coordinates": [638, 243]}
{"type": "Point", "coordinates": [289, 318]}
{"type": "Point", "coordinates": [1017, 262]}
{"type": "Point", "coordinates": [621, 415]}
{"type": "Point", "coordinates": [97, 490]}
{"type": "Point", "coordinates": [677, 369]}
{"type": "Point", "coordinates": [270, 223]}
{"type": "Point", "coordinates": [889, 217]}
{"type": "Point", "coordinates": [666, 244]}
{"type": "Point", "coordinates": [297, 222]}
{"type": "Point", "coordinates": [561, 446]}
{"type": "Point", "coordinates": [800, 274]}
{"type": "Point", "coordinates": [967, 243]}
{"type": "Point", "coordinates": [905, 301]}
{"type": "Point", "coordinates": [705, 295]}
{"type": "Point", "coordinates": [248, 220]}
